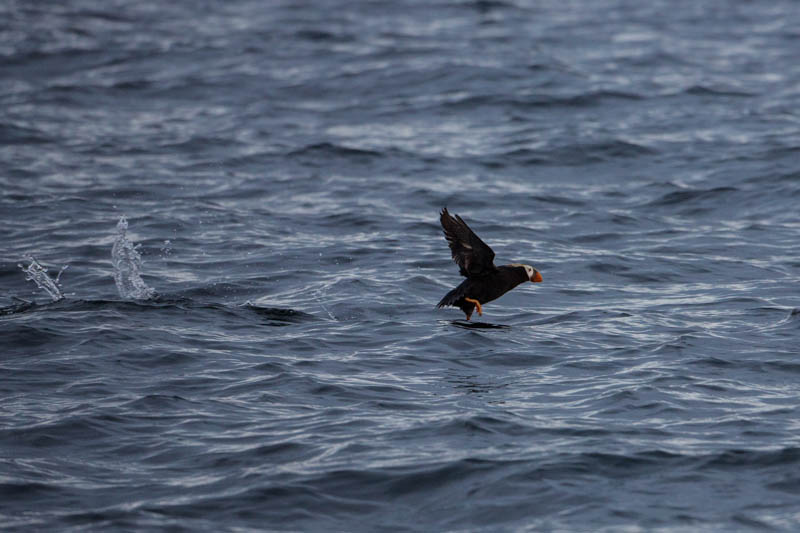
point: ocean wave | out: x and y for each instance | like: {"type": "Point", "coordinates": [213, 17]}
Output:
{"type": "Point", "coordinates": [284, 167]}
{"type": "Point", "coordinates": [693, 195]}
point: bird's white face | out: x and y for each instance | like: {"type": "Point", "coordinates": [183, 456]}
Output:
{"type": "Point", "coordinates": [533, 274]}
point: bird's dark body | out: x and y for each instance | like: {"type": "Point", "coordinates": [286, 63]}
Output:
{"type": "Point", "coordinates": [484, 288]}
{"type": "Point", "coordinates": [475, 259]}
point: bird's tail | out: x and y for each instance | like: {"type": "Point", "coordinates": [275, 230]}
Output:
{"type": "Point", "coordinates": [452, 297]}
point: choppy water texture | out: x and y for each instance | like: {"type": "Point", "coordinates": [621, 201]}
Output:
{"type": "Point", "coordinates": [282, 165]}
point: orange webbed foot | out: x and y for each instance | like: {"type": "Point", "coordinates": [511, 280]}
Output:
{"type": "Point", "coordinates": [477, 305]}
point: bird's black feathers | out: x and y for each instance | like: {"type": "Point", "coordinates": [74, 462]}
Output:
{"type": "Point", "coordinates": [484, 289]}
{"type": "Point", "coordinates": [485, 281]}
{"type": "Point", "coordinates": [473, 256]}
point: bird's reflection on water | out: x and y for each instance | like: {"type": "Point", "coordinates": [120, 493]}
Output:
{"type": "Point", "coordinates": [478, 325]}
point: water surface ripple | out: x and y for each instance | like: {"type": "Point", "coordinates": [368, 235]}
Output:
{"type": "Point", "coordinates": [281, 166]}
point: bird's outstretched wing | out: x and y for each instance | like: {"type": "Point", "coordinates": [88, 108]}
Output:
{"type": "Point", "coordinates": [473, 256]}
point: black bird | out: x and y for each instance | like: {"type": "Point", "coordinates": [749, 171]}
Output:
{"type": "Point", "coordinates": [485, 281]}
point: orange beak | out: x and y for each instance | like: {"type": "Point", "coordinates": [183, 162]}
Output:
{"type": "Point", "coordinates": [536, 277]}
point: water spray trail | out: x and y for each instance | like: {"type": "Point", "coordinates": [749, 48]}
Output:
{"type": "Point", "coordinates": [38, 274]}
{"type": "Point", "coordinates": [128, 266]}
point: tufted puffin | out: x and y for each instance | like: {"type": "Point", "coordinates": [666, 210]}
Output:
{"type": "Point", "coordinates": [485, 281]}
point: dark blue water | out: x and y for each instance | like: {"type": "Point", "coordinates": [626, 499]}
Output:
{"type": "Point", "coordinates": [282, 165]}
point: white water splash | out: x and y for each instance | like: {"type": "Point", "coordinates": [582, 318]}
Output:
{"type": "Point", "coordinates": [321, 299]}
{"type": "Point", "coordinates": [128, 266]}
{"type": "Point", "coordinates": [38, 274]}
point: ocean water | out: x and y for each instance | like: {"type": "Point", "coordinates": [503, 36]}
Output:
{"type": "Point", "coordinates": [246, 194]}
